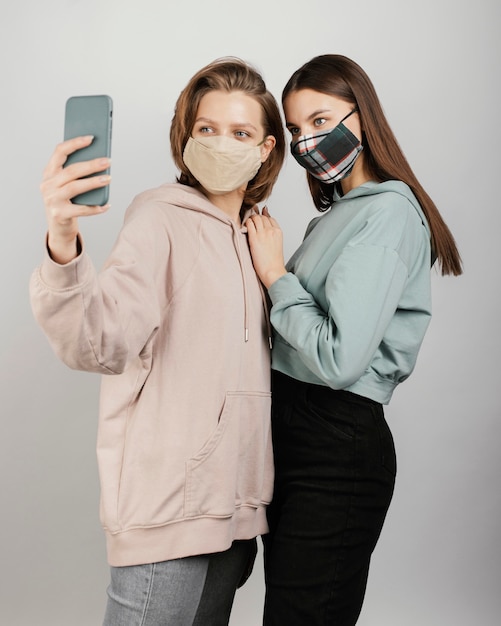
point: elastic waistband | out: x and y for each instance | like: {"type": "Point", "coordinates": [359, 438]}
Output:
{"type": "Point", "coordinates": [291, 389]}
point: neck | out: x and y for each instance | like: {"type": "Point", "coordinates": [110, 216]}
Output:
{"type": "Point", "coordinates": [357, 177]}
{"type": "Point", "coordinates": [230, 203]}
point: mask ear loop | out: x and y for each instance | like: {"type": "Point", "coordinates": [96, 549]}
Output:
{"type": "Point", "coordinates": [355, 110]}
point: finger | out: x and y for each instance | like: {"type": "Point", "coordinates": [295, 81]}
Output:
{"type": "Point", "coordinates": [86, 174]}
{"type": "Point", "coordinates": [63, 215]}
{"type": "Point", "coordinates": [272, 220]}
{"type": "Point", "coordinates": [79, 186]}
{"type": "Point", "coordinates": [61, 189]}
{"type": "Point", "coordinates": [251, 227]}
{"type": "Point", "coordinates": [88, 210]}
{"type": "Point", "coordinates": [83, 169]}
{"type": "Point", "coordinates": [257, 221]}
{"type": "Point", "coordinates": [266, 222]}
{"type": "Point", "coordinates": [62, 151]}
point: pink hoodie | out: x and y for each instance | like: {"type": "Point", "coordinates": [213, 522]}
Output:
{"type": "Point", "coordinates": [176, 321]}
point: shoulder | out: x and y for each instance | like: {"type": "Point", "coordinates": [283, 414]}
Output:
{"type": "Point", "coordinates": [389, 214]}
{"type": "Point", "coordinates": [174, 194]}
{"type": "Point", "coordinates": [161, 202]}
{"type": "Point", "coordinates": [394, 206]}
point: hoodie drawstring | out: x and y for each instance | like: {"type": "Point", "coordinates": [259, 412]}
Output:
{"type": "Point", "coordinates": [236, 243]}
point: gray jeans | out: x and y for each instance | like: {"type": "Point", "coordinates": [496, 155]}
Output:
{"type": "Point", "coordinates": [194, 591]}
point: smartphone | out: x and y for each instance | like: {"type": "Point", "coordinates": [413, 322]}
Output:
{"type": "Point", "coordinates": [90, 115]}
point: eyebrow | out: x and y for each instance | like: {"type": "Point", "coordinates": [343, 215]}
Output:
{"type": "Point", "coordinates": [206, 120]}
{"type": "Point", "coordinates": [310, 117]}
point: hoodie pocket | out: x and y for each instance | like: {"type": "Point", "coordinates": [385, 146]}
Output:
{"type": "Point", "coordinates": [234, 468]}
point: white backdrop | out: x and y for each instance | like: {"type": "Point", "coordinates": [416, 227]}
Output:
{"type": "Point", "coordinates": [435, 65]}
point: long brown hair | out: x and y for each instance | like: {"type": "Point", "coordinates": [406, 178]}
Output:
{"type": "Point", "coordinates": [339, 76]}
{"type": "Point", "coordinates": [229, 74]}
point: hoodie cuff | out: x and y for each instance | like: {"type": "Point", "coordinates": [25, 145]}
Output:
{"type": "Point", "coordinates": [61, 277]}
{"type": "Point", "coordinates": [286, 287]}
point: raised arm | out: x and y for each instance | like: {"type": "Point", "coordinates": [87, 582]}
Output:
{"type": "Point", "coordinates": [58, 186]}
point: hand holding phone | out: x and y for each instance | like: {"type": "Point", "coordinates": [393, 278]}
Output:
{"type": "Point", "coordinates": [90, 115]}
{"type": "Point", "coordinates": [76, 179]}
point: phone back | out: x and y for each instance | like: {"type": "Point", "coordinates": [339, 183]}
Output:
{"type": "Point", "coordinates": [90, 115]}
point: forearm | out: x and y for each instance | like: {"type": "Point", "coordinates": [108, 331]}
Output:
{"type": "Point", "coordinates": [337, 333]}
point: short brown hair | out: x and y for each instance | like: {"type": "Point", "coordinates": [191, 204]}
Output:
{"type": "Point", "coordinates": [229, 74]}
{"type": "Point", "coordinates": [339, 76]}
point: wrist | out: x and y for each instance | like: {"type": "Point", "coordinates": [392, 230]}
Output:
{"type": "Point", "coordinates": [272, 276]}
{"type": "Point", "coordinates": [62, 250]}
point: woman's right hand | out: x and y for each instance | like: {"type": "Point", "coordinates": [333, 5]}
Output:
{"type": "Point", "coordinates": [59, 185]}
{"type": "Point", "coordinates": [266, 246]}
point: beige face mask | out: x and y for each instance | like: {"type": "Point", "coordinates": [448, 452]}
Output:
{"type": "Point", "coordinates": [221, 164]}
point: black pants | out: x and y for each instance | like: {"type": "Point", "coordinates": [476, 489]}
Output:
{"type": "Point", "coordinates": [335, 473]}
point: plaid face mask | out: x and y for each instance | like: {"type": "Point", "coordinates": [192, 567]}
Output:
{"type": "Point", "coordinates": [329, 155]}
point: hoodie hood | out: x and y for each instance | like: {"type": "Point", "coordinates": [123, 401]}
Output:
{"type": "Point", "coordinates": [184, 197]}
{"type": "Point", "coordinates": [371, 188]}
{"type": "Point", "coordinates": [188, 198]}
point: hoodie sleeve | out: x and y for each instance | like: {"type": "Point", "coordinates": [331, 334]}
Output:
{"type": "Point", "coordinates": [363, 288]}
{"type": "Point", "coordinates": [100, 322]}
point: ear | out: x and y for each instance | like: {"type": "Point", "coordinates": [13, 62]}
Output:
{"type": "Point", "coordinates": [267, 146]}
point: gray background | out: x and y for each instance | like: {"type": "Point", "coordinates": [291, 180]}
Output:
{"type": "Point", "coordinates": [435, 65]}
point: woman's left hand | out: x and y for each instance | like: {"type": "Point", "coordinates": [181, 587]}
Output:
{"type": "Point", "coordinates": [266, 246]}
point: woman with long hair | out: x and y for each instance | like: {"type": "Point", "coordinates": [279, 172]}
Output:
{"type": "Point", "coordinates": [349, 312]}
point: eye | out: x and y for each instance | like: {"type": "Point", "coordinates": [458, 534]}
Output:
{"type": "Point", "coordinates": [319, 121]}
{"type": "Point", "coordinates": [205, 130]}
{"type": "Point", "coordinates": [294, 130]}
{"type": "Point", "coordinates": [242, 134]}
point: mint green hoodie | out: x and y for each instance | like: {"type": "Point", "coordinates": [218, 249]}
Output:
{"type": "Point", "coordinates": [353, 310]}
